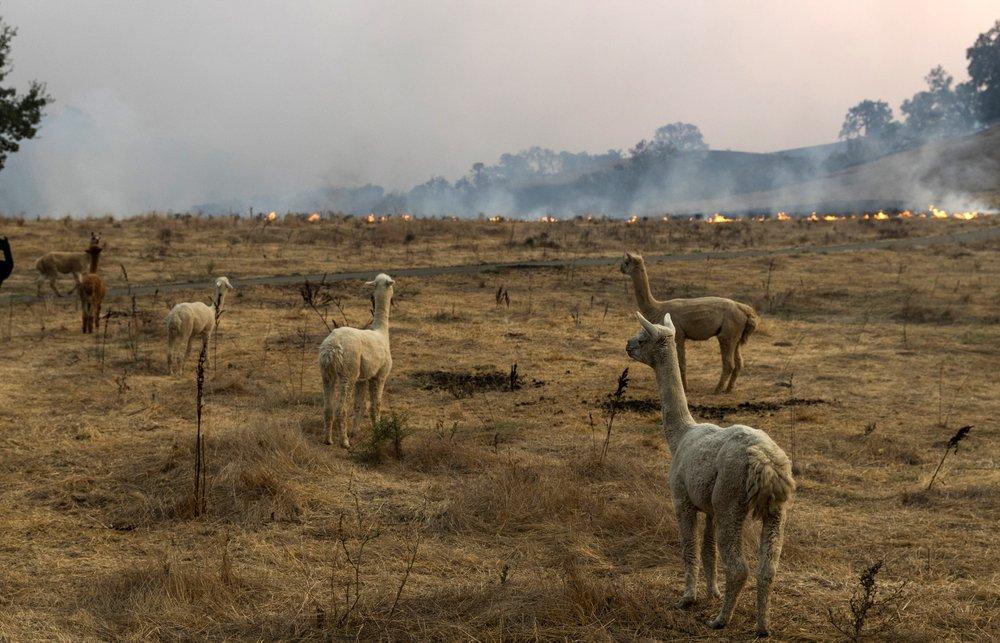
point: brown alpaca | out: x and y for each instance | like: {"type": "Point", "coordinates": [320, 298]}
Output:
{"type": "Point", "coordinates": [697, 319]}
{"type": "Point", "coordinates": [51, 264]}
{"type": "Point", "coordinates": [92, 291]}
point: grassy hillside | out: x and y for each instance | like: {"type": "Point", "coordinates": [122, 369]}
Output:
{"type": "Point", "coordinates": [961, 173]}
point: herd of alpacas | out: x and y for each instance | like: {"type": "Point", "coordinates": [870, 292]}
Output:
{"type": "Point", "coordinates": [726, 473]}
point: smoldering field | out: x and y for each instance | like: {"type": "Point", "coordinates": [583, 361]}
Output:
{"type": "Point", "coordinates": [496, 519]}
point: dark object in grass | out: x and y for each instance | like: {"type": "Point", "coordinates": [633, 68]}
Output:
{"type": "Point", "coordinates": [464, 384]}
{"type": "Point", "coordinates": [716, 412]}
{"type": "Point", "coordinates": [951, 446]}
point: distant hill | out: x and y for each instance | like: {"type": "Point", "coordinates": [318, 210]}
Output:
{"type": "Point", "coordinates": [956, 174]}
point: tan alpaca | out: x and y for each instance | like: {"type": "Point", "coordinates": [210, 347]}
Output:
{"type": "Point", "coordinates": [52, 264]}
{"type": "Point", "coordinates": [724, 473]}
{"type": "Point", "coordinates": [92, 291]}
{"type": "Point", "coordinates": [698, 319]}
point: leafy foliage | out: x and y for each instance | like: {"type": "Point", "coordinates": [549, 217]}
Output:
{"type": "Point", "coordinates": [984, 72]}
{"type": "Point", "coordinates": [19, 113]}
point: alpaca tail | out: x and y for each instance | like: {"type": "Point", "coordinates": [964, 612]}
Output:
{"type": "Point", "coordinates": [769, 479]}
{"type": "Point", "coordinates": [751, 324]}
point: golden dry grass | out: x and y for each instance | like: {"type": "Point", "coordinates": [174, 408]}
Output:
{"type": "Point", "coordinates": [522, 533]}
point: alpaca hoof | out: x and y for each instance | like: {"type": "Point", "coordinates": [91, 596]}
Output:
{"type": "Point", "coordinates": [685, 602]}
{"type": "Point", "coordinates": [345, 443]}
{"type": "Point", "coordinates": [714, 593]}
{"type": "Point", "coordinates": [717, 623]}
{"type": "Point", "coordinates": [762, 633]}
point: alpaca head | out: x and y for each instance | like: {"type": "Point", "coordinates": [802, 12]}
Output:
{"type": "Point", "coordinates": [647, 345]}
{"type": "Point", "coordinates": [221, 286]}
{"type": "Point", "coordinates": [381, 283]}
{"type": "Point", "coordinates": [630, 263]}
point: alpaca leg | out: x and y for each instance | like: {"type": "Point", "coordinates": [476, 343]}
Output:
{"type": "Point", "coordinates": [681, 359]}
{"type": "Point", "coordinates": [687, 517]}
{"type": "Point", "coordinates": [52, 283]}
{"type": "Point", "coordinates": [340, 414]}
{"type": "Point", "coordinates": [729, 533]}
{"type": "Point", "coordinates": [737, 366]}
{"type": "Point", "coordinates": [708, 556]}
{"type": "Point", "coordinates": [375, 388]}
{"type": "Point", "coordinates": [359, 407]}
{"type": "Point", "coordinates": [329, 404]}
{"type": "Point", "coordinates": [770, 553]}
{"type": "Point", "coordinates": [728, 362]}
{"type": "Point", "coordinates": [187, 351]}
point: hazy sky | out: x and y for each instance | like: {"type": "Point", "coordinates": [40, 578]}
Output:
{"type": "Point", "coordinates": [167, 104]}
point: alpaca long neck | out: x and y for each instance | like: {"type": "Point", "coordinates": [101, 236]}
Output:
{"type": "Point", "coordinates": [93, 263]}
{"type": "Point", "coordinates": [673, 402]}
{"type": "Point", "coordinates": [381, 316]}
{"type": "Point", "coordinates": [643, 296]}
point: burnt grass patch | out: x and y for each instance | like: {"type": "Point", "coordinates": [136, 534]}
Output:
{"type": "Point", "coordinates": [715, 412]}
{"type": "Point", "coordinates": [466, 383]}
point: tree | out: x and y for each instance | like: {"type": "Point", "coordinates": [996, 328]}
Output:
{"type": "Point", "coordinates": [678, 137]}
{"type": "Point", "coordinates": [939, 110]}
{"type": "Point", "coordinates": [19, 113]}
{"type": "Point", "coordinates": [984, 74]}
{"type": "Point", "coordinates": [869, 118]}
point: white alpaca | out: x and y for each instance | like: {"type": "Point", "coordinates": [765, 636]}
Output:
{"type": "Point", "coordinates": [188, 320]}
{"type": "Point", "coordinates": [724, 473]}
{"type": "Point", "coordinates": [352, 358]}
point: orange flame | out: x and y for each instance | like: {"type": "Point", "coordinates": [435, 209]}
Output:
{"type": "Point", "coordinates": [314, 217]}
{"type": "Point", "coordinates": [718, 218]}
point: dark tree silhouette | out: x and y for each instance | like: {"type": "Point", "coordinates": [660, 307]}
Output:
{"type": "Point", "coordinates": [939, 110]}
{"type": "Point", "coordinates": [984, 72]}
{"type": "Point", "coordinates": [679, 137]}
{"type": "Point", "coordinates": [19, 113]}
{"type": "Point", "coordinates": [867, 118]}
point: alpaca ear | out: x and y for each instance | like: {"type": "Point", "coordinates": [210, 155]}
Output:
{"type": "Point", "coordinates": [650, 328]}
{"type": "Point", "coordinates": [668, 323]}
{"type": "Point", "coordinates": [370, 284]}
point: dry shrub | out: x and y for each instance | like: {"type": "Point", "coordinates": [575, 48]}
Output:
{"type": "Point", "coordinates": [250, 476]}
{"type": "Point", "coordinates": [258, 465]}
{"type": "Point", "coordinates": [630, 519]}
{"type": "Point", "coordinates": [512, 498]}
{"type": "Point", "coordinates": [442, 453]}
{"type": "Point", "coordinates": [916, 312]}
{"type": "Point", "coordinates": [160, 600]}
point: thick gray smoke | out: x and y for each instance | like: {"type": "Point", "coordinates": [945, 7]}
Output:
{"type": "Point", "coordinates": [229, 105]}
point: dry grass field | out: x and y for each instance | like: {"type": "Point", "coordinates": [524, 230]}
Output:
{"type": "Point", "coordinates": [493, 515]}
